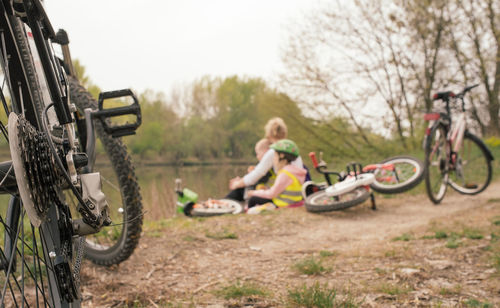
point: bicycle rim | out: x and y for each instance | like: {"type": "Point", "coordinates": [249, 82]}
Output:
{"type": "Point", "coordinates": [322, 202]}
{"type": "Point", "coordinates": [30, 257]}
{"type": "Point", "coordinates": [471, 172]}
{"type": "Point", "coordinates": [407, 172]}
{"type": "Point", "coordinates": [115, 243]}
{"type": "Point", "coordinates": [436, 164]}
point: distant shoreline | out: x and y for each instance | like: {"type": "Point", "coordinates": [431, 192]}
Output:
{"type": "Point", "coordinates": [191, 163]}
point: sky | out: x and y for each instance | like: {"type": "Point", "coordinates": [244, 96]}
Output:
{"type": "Point", "coordinates": [164, 44]}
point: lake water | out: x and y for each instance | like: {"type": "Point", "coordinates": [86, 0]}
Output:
{"type": "Point", "coordinates": [158, 185]}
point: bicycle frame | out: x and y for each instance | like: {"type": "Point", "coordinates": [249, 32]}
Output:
{"type": "Point", "coordinates": [347, 181]}
{"type": "Point", "coordinates": [456, 135]}
{"type": "Point", "coordinates": [54, 86]}
{"type": "Point", "coordinates": [454, 131]}
{"type": "Point", "coordinates": [448, 160]}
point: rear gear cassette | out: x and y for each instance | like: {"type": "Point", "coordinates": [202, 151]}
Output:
{"type": "Point", "coordinates": [39, 183]}
{"type": "Point", "coordinates": [36, 175]}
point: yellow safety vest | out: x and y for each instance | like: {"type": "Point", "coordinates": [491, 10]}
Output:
{"type": "Point", "coordinates": [292, 193]}
{"type": "Point", "coordinates": [273, 174]}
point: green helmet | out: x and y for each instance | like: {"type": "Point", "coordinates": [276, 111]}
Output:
{"type": "Point", "coordinates": [286, 146]}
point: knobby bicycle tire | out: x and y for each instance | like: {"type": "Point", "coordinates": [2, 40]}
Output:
{"type": "Point", "coordinates": [413, 180]}
{"type": "Point", "coordinates": [27, 260]}
{"type": "Point", "coordinates": [106, 247]}
{"type": "Point", "coordinates": [474, 166]}
{"type": "Point", "coordinates": [321, 202]}
{"type": "Point", "coordinates": [436, 170]}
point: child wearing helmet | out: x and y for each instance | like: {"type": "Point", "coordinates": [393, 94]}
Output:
{"type": "Point", "coordinates": [288, 184]}
{"type": "Point", "coordinates": [275, 130]}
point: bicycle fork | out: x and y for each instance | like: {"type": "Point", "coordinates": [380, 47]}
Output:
{"type": "Point", "coordinates": [355, 169]}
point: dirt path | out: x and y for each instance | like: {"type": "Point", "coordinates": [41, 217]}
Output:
{"type": "Point", "coordinates": [187, 262]}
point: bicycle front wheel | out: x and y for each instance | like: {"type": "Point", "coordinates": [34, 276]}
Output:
{"type": "Point", "coordinates": [471, 172]}
{"type": "Point", "coordinates": [116, 243]}
{"type": "Point", "coordinates": [398, 174]}
{"type": "Point", "coordinates": [436, 164]}
{"type": "Point", "coordinates": [321, 202]}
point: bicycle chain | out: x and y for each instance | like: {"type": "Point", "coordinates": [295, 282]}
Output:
{"type": "Point", "coordinates": [78, 260]}
{"type": "Point", "coordinates": [44, 181]}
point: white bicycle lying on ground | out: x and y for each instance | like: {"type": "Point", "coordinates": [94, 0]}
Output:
{"type": "Point", "coordinates": [393, 175]}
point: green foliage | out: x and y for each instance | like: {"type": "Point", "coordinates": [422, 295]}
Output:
{"type": "Point", "coordinates": [393, 289]}
{"type": "Point", "coordinates": [320, 297]}
{"type": "Point", "coordinates": [84, 79]}
{"type": "Point", "coordinates": [453, 241]}
{"type": "Point", "coordinates": [327, 253]}
{"type": "Point", "coordinates": [440, 234]}
{"type": "Point", "coordinates": [496, 260]}
{"type": "Point", "coordinates": [222, 119]}
{"type": "Point", "coordinates": [310, 266]}
{"type": "Point", "coordinates": [475, 303]}
{"type": "Point", "coordinates": [160, 131]}
{"type": "Point", "coordinates": [493, 142]}
{"type": "Point", "coordinates": [239, 290]}
{"type": "Point", "coordinates": [473, 234]}
{"type": "Point", "coordinates": [405, 237]}
{"type": "Point", "coordinates": [221, 235]}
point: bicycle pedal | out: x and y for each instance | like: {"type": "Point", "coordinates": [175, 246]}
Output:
{"type": "Point", "coordinates": [105, 115]}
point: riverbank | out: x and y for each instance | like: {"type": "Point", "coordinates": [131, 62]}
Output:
{"type": "Point", "coordinates": [407, 253]}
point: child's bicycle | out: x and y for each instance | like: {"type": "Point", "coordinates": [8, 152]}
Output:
{"type": "Point", "coordinates": [393, 175]}
{"type": "Point", "coordinates": [187, 203]}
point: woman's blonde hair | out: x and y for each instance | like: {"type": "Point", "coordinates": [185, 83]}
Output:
{"type": "Point", "coordinates": [276, 129]}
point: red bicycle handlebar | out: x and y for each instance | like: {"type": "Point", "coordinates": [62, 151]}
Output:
{"type": "Point", "coordinates": [312, 155]}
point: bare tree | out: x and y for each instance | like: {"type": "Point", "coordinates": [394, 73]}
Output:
{"type": "Point", "coordinates": [371, 61]}
{"type": "Point", "coordinates": [475, 41]}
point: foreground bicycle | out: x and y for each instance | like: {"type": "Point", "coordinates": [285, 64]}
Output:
{"type": "Point", "coordinates": [453, 155]}
{"type": "Point", "coordinates": [51, 162]}
{"type": "Point", "coordinates": [393, 175]}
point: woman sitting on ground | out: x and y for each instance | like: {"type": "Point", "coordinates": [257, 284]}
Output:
{"type": "Point", "coordinates": [275, 130]}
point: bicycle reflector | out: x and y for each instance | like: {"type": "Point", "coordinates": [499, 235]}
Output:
{"type": "Point", "coordinates": [115, 120]}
